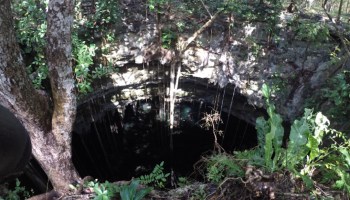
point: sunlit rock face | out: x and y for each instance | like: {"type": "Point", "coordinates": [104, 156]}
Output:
{"type": "Point", "coordinates": [237, 54]}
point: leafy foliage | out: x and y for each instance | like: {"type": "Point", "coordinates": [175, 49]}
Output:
{"type": "Point", "coordinates": [338, 92]}
{"type": "Point", "coordinates": [313, 32]}
{"type": "Point", "coordinates": [168, 39]}
{"type": "Point", "coordinates": [156, 178]}
{"type": "Point", "coordinates": [220, 166]}
{"type": "Point", "coordinates": [107, 190]}
{"type": "Point", "coordinates": [253, 11]}
{"type": "Point", "coordinates": [133, 192]}
{"type": "Point", "coordinates": [155, 4]}
{"type": "Point", "coordinates": [183, 181]}
{"type": "Point", "coordinates": [84, 59]}
{"type": "Point", "coordinates": [199, 194]}
{"type": "Point", "coordinates": [305, 150]}
{"type": "Point", "coordinates": [274, 132]}
{"type": "Point", "coordinates": [103, 191]}
{"type": "Point", "coordinates": [309, 155]}
{"type": "Point", "coordinates": [30, 25]}
{"type": "Point", "coordinates": [18, 193]}
{"type": "Point", "coordinates": [105, 14]}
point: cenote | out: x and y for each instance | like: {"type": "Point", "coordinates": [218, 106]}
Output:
{"type": "Point", "coordinates": [121, 139]}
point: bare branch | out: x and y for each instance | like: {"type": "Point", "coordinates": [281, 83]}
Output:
{"type": "Point", "coordinates": [198, 32]}
{"type": "Point", "coordinates": [206, 8]}
{"type": "Point", "coordinates": [343, 40]}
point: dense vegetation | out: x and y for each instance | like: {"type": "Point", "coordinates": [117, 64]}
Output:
{"type": "Point", "coordinates": [313, 160]}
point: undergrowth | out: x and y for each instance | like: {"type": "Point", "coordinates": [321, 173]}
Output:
{"type": "Point", "coordinates": [17, 193]}
{"type": "Point", "coordinates": [315, 154]}
{"type": "Point", "coordinates": [31, 27]}
{"type": "Point", "coordinates": [136, 189]}
{"type": "Point", "coordinates": [156, 178]}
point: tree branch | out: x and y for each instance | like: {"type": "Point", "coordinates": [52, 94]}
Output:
{"type": "Point", "coordinates": [184, 46]}
{"type": "Point", "coordinates": [343, 40]}
{"type": "Point", "coordinates": [206, 8]}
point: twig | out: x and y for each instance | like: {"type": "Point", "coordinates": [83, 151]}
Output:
{"type": "Point", "coordinates": [206, 8]}
{"type": "Point", "coordinates": [291, 194]}
{"type": "Point", "coordinates": [233, 179]}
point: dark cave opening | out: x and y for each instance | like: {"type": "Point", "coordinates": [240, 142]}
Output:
{"type": "Point", "coordinates": [121, 140]}
{"type": "Point", "coordinates": [117, 142]}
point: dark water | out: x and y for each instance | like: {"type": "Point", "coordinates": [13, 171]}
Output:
{"type": "Point", "coordinates": [118, 145]}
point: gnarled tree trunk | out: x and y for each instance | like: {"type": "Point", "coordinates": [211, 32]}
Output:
{"type": "Point", "coordinates": [49, 128]}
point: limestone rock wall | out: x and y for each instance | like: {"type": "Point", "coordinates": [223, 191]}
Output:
{"type": "Point", "coordinates": [242, 56]}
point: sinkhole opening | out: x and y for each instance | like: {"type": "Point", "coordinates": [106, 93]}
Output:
{"type": "Point", "coordinates": [120, 140]}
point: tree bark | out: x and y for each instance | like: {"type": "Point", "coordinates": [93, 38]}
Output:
{"type": "Point", "coordinates": [339, 11]}
{"type": "Point", "coordinates": [59, 59]}
{"type": "Point", "coordinates": [49, 131]}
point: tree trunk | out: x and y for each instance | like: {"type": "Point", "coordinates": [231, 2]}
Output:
{"type": "Point", "coordinates": [59, 59]}
{"type": "Point", "coordinates": [339, 11]}
{"type": "Point", "coordinates": [49, 131]}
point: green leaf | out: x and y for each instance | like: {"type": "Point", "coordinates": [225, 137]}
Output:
{"type": "Point", "coordinates": [308, 181]}
{"type": "Point", "coordinates": [262, 128]}
{"type": "Point", "coordinates": [266, 91]}
{"type": "Point", "coordinates": [298, 134]}
{"type": "Point", "coordinates": [268, 150]}
{"type": "Point", "coordinates": [313, 146]}
{"type": "Point", "coordinates": [142, 193]}
{"type": "Point", "coordinates": [345, 152]}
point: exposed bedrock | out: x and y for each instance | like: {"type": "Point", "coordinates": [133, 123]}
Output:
{"type": "Point", "coordinates": [296, 69]}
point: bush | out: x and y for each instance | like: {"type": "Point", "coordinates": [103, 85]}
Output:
{"type": "Point", "coordinates": [18, 193]}
{"type": "Point", "coordinates": [156, 178]}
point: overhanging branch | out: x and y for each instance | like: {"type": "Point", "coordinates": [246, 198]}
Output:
{"type": "Point", "coordinates": [184, 46]}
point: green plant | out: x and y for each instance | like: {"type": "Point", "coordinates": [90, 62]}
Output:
{"type": "Point", "coordinates": [199, 194]}
{"type": "Point", "coordinates": [84, 59]}
{"type": "Point", "coordinates": [332, 161]}
{"type": "Point", "coordinates": [168, 39]}
{"type": "Point", "coordinates": [183, 181]}
{"type": "Point", "coordinates": [103, 191]}
{"type": "Point", "coordinates": [309, 155]}
{"type": "Point", "coordinates": [133, 192]}
{"type": "Point", "coordinates": [152, 4]}
{"type": "Point", "coordinates": [18, 193]}
{"type": "Point", "coordinates": [312, 32]}
{"type": "Point", "coordinates": [41, 72]}
{"type": "Point", "coordinates": [156, 178]}
{"type": "Point", "coordinates": [101, 71]}
{"type": "Point", "coordinates": [99, 22]}
{"type": "Point", "coordinates": [305, 149]}
{"type": "Point", "coordinates": [255, 49]}
{"type": "Point", "coordinates": [270, 134]}
{"type": "Point", "coordinates": [107, 12]}
{"type": "Point", "coordinates": [338, 92]}
{"type": "Point", "coordinates": [30, 26]}
{"type": "Point", "coordinates": [220, 166]}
